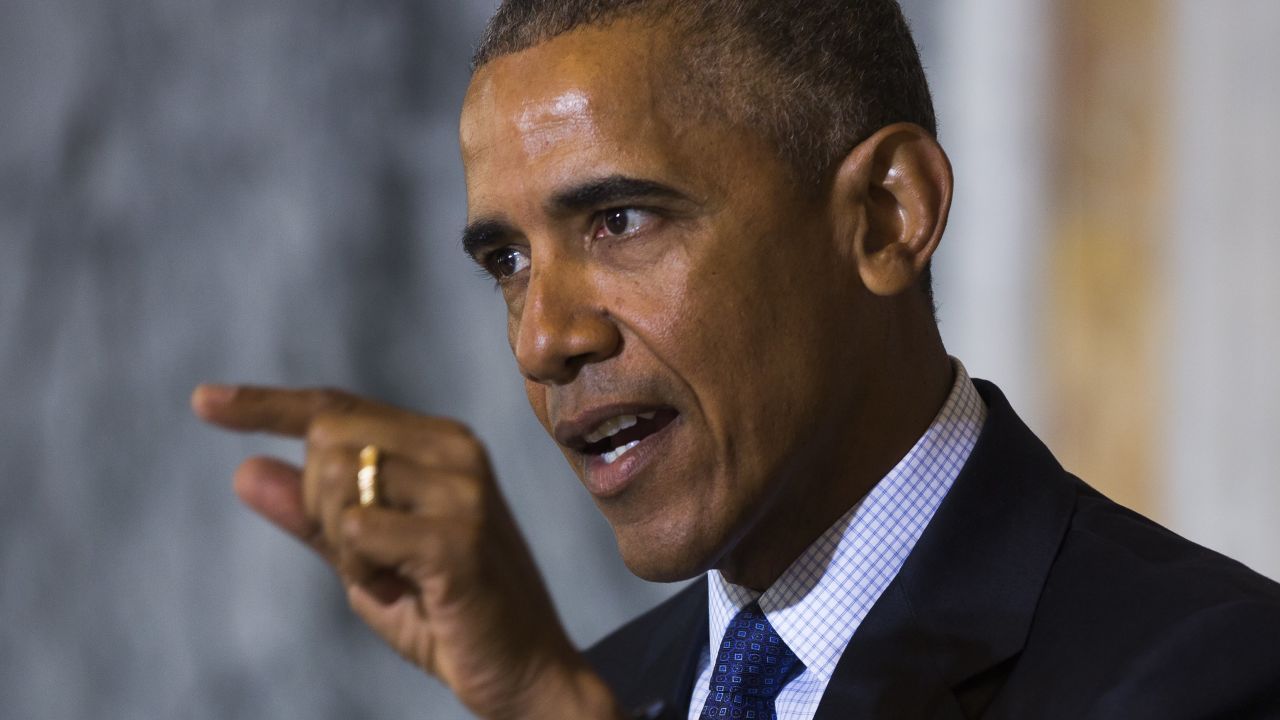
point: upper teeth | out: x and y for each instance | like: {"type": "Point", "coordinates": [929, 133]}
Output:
{"type": "Point", "coordinates": [612, 455]}
{"type": "Point", "coordinates": [609, 428]}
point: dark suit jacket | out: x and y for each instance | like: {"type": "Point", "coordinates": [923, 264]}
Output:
{"type": "Point", "coordinates": [1029, 595]}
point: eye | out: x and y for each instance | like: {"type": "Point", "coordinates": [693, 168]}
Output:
{"type": "Point", "coordinates": [506, 262]}
{"type": "Point", "coordinates": [621, 221]}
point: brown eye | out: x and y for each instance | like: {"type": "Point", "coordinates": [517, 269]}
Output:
{"type": "Point", "coordinates": [620, 222]}
{"type": "Point", "coordinates": [506, 262]}
{"type": "Point", "coordinates": [617, 221]}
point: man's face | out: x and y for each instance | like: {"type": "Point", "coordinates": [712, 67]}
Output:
{"type": "Point", "coordinates": [684, 315]}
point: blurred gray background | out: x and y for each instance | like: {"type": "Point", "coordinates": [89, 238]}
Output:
{"type": "Point", "coordinates": [270, 192]}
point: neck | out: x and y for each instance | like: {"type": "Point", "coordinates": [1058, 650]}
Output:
{"type": "Point", "coordinates": [902, 395]}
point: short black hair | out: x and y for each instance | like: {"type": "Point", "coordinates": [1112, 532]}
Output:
{"type": "Point", "coordinates": [817, 76]}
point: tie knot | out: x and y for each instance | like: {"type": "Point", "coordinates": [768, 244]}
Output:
{"type": "Point", "coordinates": [751, 666]}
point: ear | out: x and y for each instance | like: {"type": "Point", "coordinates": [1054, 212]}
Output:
{"type": "Point", "coordinates": [891, 196]}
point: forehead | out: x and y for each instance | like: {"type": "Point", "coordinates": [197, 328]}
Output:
{"type": "Point", "coordinates": [591, 98]}
{"type": "Point", "coordinates": [605, 67]}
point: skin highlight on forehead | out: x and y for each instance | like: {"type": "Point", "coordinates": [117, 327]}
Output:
{"type": "Point", "coordinates": [545, 125]}
{"type": "Point", "coordinates": [557, 90]}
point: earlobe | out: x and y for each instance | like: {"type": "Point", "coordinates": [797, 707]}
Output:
{"type": "Point", "coordinates": [893, 196]}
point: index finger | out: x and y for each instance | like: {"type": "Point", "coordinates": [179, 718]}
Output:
{"type": "Point", "coordinates": [283, 411]}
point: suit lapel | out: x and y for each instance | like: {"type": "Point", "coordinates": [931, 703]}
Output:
{"type": "Point", "coordinates": [682, 658]}
{"type": "Point", "coordinates": [670, 668]}
{"type": "Point", "coordinates": [932, 646]}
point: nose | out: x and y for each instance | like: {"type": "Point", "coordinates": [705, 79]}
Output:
{"type": "Point", "coordinates": [562, 325]}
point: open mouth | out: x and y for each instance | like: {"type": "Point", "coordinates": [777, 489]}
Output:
{"type": "Point", "coordinates": [617, 436]}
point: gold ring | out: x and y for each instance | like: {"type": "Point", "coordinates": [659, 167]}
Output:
{"type": "Point", "coordinates": [367, 477]}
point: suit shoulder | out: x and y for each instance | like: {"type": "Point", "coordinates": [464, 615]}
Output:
{"type": "Point", "coordinates": [1138, 557]}
{"type": "Point", "coordinates": [1135, 621]}
{"type": "Point", "coordinates": [1219, 661]}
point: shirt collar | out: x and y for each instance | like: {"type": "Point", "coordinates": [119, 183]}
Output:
{"type": "Point", "coordinates": [818, 602]}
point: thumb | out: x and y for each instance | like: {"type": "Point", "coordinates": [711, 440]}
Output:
{"type": "Point", "coordinates": [388, 619]}
{"type": "Point", "coordinates": [400, 622]}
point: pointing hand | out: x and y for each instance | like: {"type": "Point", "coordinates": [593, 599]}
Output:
{"type": "Point", "coordinates": [438, 568]}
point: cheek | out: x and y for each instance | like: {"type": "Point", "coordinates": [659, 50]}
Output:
{"type": "Point", "coordinates": [693, 314]}
{"type": "Point", "coordinates": [641, 282]}
{"type": "Point", "coordinates": [752, 327]}
{"type": "Point", "coordinates": [721, 311]}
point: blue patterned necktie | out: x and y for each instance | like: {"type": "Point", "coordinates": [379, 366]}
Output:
{"type": "Point", "coordinates": [751, 666]}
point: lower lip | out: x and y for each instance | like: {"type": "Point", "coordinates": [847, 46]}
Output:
{"type": "Point", "coordinates": [609, 480]}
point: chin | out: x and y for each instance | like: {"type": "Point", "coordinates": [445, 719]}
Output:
{"type": "Point", "coordinates": [665, 552]}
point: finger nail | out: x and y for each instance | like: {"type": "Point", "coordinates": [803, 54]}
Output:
{"type": "Point", "coordinates": [210, 392]}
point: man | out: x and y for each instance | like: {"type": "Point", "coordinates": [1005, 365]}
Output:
{"type": "Point", "coordinates": [712, 224]}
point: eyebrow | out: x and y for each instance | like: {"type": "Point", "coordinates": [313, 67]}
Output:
{"type": "Point", "coordinates": [594, 193]}
{"type": "Point", "coordinates": [609, 190]}
{"type": "Point", "coordinates": [483, 233]}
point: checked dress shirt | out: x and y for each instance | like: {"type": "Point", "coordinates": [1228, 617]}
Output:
{"type": "Point", "coordinates": [816, 605]}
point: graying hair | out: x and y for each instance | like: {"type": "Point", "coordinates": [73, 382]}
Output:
{"type": "Point", "coordinates": [819, 76]}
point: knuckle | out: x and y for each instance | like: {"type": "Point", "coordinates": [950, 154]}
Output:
{"type": "Point", "coordinates": [457, 428]}
{"type": "Point", "coordinates": [354, 524]}
{"type": "Point", "coordinates": [469, 496]}
{"type": "Point", "coordinates": [331, 399]}
{"type": "Point", "coordinates": [324, 428]}
{"type": "Point", "coordinates": [470, 454]}
{"type": "Point", "coordinates": [331, 466]}
{"type": "Point", "coordinates": [456, 494]}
